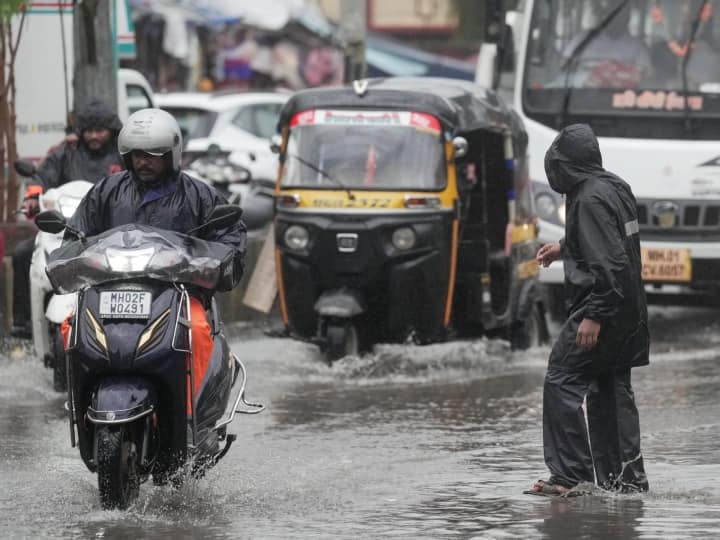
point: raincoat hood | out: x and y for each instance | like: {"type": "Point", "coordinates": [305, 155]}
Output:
{"type": "Point", "coordinates": [98, 114]}
{"type": "Point", "coordinates": [573, 157]}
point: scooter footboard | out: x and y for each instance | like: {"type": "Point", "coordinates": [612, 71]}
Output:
{"type": "Point", "coordinates": [121, 400]}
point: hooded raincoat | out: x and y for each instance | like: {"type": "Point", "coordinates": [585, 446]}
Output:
{"type": "Point", "coordinates": [601, 254]}
{"type": "Point", "coordinates": [77, 162]}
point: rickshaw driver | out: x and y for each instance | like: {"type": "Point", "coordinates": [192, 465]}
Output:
{"type": "Point", "coordinates": [153, 191]}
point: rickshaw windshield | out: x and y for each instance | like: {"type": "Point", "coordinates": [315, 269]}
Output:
{"type": "Point", "coordinates": [370, 150]}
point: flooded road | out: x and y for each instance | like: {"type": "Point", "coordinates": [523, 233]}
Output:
{"type": "Point", "coordinates": [410, 442]}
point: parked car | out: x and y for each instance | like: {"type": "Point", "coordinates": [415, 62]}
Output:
{"type": "Point", "coordinates": [236, 126]}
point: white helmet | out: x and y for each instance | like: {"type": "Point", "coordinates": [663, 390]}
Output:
{"type": "Point", "coordinates": [153, 131]}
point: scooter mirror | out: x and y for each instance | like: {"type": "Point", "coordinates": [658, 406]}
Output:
{"type": "Point", "coordinates": [25, 168]}
{"type": "Point", "coordinates": [50, 221]}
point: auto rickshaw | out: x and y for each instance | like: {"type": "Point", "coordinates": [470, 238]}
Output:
{"type": "Point", "coordinates": [403, 214]}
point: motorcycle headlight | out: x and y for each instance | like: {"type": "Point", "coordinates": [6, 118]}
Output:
{"type": "Point", "coordinates": [550, 206]}
{"type": "Point", "coordinates": [403, 238]}
{"type": "Point", "coordinates": [296, 237]}
{"type": "Point", "coordinates": [129, 260]}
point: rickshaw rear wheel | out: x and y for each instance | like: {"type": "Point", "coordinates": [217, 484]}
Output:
{"type": "Point", "coordinates": [530, 332]}
{"type": "Point", "coordinates": [342, 340]}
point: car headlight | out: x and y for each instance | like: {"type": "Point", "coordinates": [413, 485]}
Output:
{"type": "Point", "coordinates": [296, 237]}
{"type": "Point", "coordinates": [219, 170]}
{"type": "Point", "coordinates": [129, 260]}
{"type": "Point", "coordinates": [550, 206]}
{"type": "Point", "coordinates": [403, 238]}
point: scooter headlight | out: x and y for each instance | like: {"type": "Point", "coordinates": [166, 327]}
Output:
{"type": "Point", "coordinates": [404, 238]}
{"type": "Point", "coordinates": [129, 260]}
{"type": "Point", "coordinates": [296, 237]}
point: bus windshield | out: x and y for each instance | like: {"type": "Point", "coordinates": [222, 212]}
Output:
{"type": "Point", "coordinates": [370, 150]}
{"type": "Point", "coordinates": [616, 57]}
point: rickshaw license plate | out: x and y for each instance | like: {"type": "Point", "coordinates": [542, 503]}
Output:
{"type": "Point", "coordinates": [666, 264]}
{"type": "Point", "coordinates": [125, 304]}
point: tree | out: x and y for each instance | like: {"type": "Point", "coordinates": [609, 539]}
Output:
{"type": "Point", "coordinates": [11, 12]}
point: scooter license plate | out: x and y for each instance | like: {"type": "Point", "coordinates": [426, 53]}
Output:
{"type": "Point", "coordinates": [125, 304]}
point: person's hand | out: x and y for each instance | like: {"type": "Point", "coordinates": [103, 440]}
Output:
{"type": "Point", "coordinates": [30, 207]}
{"type": "Point", "coordinates": [587, 334]}
{"type": "Point", "coordinates": [548, 254]}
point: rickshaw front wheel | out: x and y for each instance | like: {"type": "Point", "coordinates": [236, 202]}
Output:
{"type": "Point", "coordinates": [530, 332]}
{"type": "Point", "coordinates": [341, 340]}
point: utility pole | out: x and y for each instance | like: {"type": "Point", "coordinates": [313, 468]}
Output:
{"type": "Point", "coordinates": [353, 28]}
{"type": "Point", "coordinates": [95, 70]}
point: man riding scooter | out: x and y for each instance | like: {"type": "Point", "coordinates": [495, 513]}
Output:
{"type": "Point", "coordinates": [153, 191]}
{"type": "Point", "coordinates": [91, 156]}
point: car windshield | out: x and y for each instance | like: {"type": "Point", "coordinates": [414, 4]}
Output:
{"type": "Point", "coordinates": [138, 252]}
{"type": "Point", "coordinates": [194, 123]}
{"type": "Point", "coordinates": [370, 150]}
{"type": "Point", "coordinates": [621, 55]}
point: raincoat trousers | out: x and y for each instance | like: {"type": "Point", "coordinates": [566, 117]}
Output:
{"type": "Point", "coordinates": [603, 282]}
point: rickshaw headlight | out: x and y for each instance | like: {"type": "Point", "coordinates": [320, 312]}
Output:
{"type": "Point", "coordinates": [403, 238]}
{"type": "Point", "coordinates": [296, 237]}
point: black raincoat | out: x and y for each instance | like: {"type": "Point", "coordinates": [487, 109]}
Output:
{"type": "Point", "coordinates": [601, 254]}
{"type": "Point", "coordinates": [77, 162]}
{"type": "Point", "coordinates": [178, 204]}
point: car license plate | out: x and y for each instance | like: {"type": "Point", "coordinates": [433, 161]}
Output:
{"type": "Point", "coordinates": [125, 304]}
{"type": "Point", "coordinates": [666, 265]}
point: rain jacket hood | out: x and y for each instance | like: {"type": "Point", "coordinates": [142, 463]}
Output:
{"type": "Point", "coordinates": [573, 157]}
{"type": "Point", "coordinates": [98, 114]}
{"type": "Point", "coordinates": [601, 255]}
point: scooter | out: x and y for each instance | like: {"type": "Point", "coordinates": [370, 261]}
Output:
{"type": "Point", "coordinates": [129, 356]}
{"type": "Point", "coordinates": [48, 310]}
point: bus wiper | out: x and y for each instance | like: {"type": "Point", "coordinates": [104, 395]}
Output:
{"type": "Point", "coordinates": [571, 63]}
{"type": "Point", "coordinates": [318, 170]}
{"type": "Point", "coordinates": [686, 59]}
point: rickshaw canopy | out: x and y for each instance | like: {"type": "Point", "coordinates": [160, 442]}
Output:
{"type": "Point", "coordinates": [460, 106]}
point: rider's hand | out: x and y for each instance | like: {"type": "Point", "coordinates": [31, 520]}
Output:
{"type": "Point", "coordinates": [30, 207]}
{"type": "Point", "coordinates": [587, 334]}
{"type": "Point", "coordinates": [548, 254]}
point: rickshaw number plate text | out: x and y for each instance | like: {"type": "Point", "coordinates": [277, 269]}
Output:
{"type": "Point", "coordinates": [358, 202]}
{"type": "Point", "coordinates": [666, 264]}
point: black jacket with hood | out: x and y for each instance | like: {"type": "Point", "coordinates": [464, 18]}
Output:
{"type": "Point", "coordinates": [77, 162]}
{"type": "Point", "coordinates": [178, 204]}
{"type": "Point", "coordinates": [601, 254]}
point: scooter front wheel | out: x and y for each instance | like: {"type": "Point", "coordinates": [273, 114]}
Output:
{"type": "Point", "coordinates": [118, 479]}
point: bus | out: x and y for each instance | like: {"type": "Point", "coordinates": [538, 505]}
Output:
{"type": "Point", "coordinates": [645, 75]}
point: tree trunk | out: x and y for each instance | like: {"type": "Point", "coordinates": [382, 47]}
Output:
{"type": "Point", "coordinates": [95, 73]}
{"type": "Point", "coordinates": [4, 203]}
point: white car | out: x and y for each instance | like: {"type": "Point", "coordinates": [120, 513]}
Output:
{"type": "Point", "coordinates": [236, 124]}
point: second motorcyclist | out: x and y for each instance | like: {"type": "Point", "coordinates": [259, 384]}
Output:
{"type": "Point", "coordinates": [91, 156]}
{"type": "Point", "coordinates": [153, 191]}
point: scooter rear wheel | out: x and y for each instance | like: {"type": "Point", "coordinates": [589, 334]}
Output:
{"type": "Point", "coordinates": [58, 362]}
{"type": "Point", "coordinates": [118, 480]}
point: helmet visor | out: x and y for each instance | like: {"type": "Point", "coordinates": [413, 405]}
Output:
{"type": "Point", "coordinates": [157, 151]}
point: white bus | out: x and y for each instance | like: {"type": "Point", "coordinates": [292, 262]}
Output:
{"type": "Point", "coordinates": [645, 74]}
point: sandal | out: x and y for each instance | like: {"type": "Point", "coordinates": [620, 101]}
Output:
{"type": "Point", "coordinates": [545, 489]}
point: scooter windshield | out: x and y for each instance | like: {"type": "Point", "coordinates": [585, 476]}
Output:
{"type": "Point", "coordinates": [139, 252]}
{"type": "Point", "coordinates": [368, 149]}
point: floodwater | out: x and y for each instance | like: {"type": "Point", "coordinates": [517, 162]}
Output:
{"type": "Point", "coordinates": [409, 442]}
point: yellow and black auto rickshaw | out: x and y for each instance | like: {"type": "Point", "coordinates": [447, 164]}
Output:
{"type": "Point", "coordinates": [403, 212]}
